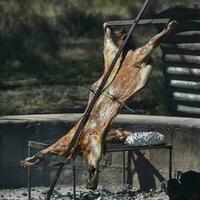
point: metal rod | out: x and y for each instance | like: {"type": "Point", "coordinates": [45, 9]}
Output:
{"type": "Point", "coordinates": [37, 145]}
{"type": "Point", "coordinates": [120, 147]}
{"type": "Point", "coordinates": [74, 181]}
{"type": "Point", "coordinates": [140, 22]}
{"type": "Point", "coordinates": [124, 167]}
{"type": "Point", "coordinates": [29, 175]}
{"type": "Point", "coordinates": [51, 188]}
{"type": "Point", "coordinates": [170, 163]}
{"type": "Point", "coordinates": [86, 115]}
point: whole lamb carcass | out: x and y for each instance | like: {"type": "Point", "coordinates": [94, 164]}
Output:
{"type": "Point", "coordinates": [130, 75]}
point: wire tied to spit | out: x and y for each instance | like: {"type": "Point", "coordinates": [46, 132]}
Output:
{"type": "Point", "coordinates": [114, 98]}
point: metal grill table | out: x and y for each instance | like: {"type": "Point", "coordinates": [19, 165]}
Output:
{"type": "Point", "coordinates": [109, 148]}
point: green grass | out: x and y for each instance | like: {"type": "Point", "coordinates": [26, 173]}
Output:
{"type": "Point", "coordinates": [51, 51]}
{"type": "Point", "coordinates": [43, 99]}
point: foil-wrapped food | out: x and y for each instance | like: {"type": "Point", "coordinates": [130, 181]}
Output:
{"type": "Point", "coordinates": [145, 139]}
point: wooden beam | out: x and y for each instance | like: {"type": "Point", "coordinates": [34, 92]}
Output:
{"type": "Point", "coordinates": [185, 84]}
{"type": "Point", "coordinates": [181, 46]}
{"type": "Point", "coordinates": [179, 58]}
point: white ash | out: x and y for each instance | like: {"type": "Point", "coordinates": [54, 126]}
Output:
{"type": "Point", "coordinates": [39, 193]}
{"type": "Point", "coordinates": [145, 139]}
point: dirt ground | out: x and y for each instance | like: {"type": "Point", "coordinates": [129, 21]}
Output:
{"type": "Point", "coordinates": [39, 193]}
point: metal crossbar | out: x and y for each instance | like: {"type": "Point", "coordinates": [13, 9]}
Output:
{"type": "Point", "coordinates": [109, 148]}
{"type": "Point", "coordinates": [140, 22]}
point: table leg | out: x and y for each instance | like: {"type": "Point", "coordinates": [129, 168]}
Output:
{"type": "Point", "coordinates": [74, 181]}
{"type": "Point", "coordinates": [170, 163]}
{"type": "Point", "coordinates": [124, 167]}
{"type": "Point", "coordinates": [29, 176]}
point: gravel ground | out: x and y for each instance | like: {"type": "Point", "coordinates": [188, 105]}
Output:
{"type": "Point", "coordinates": [39, 193]}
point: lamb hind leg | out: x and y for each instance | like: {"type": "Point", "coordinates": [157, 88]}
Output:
{"type": "Point", "coordinates": [58, 148]}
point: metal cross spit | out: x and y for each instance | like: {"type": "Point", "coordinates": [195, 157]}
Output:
{"type": "Point", "coordinates": [84, 119]}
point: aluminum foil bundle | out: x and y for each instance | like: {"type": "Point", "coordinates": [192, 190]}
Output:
{"type": "Point", "coordinates": [145, 139]}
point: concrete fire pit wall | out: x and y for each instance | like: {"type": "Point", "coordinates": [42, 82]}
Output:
{"type": "Point", "coordinates": [15, 131]}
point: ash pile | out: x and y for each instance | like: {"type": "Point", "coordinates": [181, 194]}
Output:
{"type": "Point", "coordinates": [39, 193]}
{"type": "Point", "coordinates": [104, 194]}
